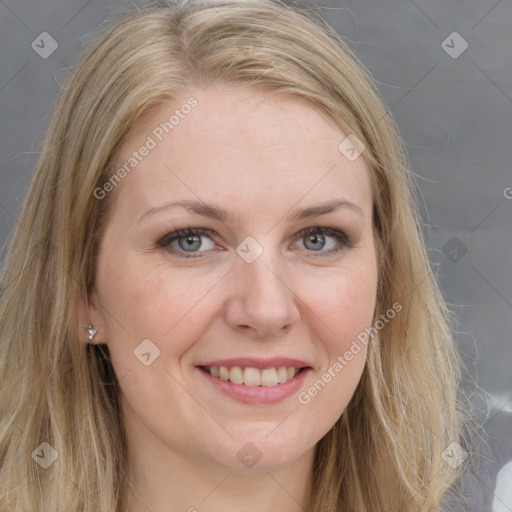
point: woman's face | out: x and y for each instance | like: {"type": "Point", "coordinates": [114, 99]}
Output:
{"type": "Point", "coordinates": [276, 273]}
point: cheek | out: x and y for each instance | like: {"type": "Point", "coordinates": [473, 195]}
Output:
{"type": "Point", "coordinates": [344, 303]}
{"type": "Point", "coordinates": [337, 316]}
{"type": "Point", "coordinates": [177, 305]}
{"type": "Point", "coordinates": [155, 303]}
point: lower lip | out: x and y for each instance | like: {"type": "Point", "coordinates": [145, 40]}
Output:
{"type": "Point", "coordinates": [257, 394]}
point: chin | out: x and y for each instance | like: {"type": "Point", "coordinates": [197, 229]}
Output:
{"type": "Point", "coordinates": [264, 452]}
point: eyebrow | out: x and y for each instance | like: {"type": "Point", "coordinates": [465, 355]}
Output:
{"type": "Point", "coordinates": [214, 212]}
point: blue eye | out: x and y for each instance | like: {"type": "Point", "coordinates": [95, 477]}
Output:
{"type": "Point", "coordinates": [191, 242]}
{"type": "Point", "coordinates": [316, 239]}
{"type": "Point", "coordinates": [187, 241]}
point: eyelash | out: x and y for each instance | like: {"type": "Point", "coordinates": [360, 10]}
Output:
{"type": "Point", "coordinates": [344, 241]}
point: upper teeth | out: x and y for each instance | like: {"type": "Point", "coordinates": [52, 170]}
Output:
{"type": "Point", "coordinates": [253, 376]}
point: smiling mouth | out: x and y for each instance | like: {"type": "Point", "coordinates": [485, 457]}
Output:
{"type": "Point", "coordinates": [250, 376]}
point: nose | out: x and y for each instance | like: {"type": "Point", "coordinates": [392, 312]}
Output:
{"type": "Point", "coordinates": [261, 300]}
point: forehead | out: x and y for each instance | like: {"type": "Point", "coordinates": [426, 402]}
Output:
{"type": "Point", "coordinates": [242, 147]}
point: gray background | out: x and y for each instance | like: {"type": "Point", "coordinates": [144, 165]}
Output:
{"type": "Point", "coordinates": [453, 111]}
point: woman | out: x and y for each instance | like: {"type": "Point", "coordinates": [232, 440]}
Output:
{"type": "Point", "coordinates": [217, 295]}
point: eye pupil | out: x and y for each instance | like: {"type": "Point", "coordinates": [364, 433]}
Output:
{"type": "Point", "coordinates": [192, 242]}
{"type": "Point", "coordinates": [318, 241]}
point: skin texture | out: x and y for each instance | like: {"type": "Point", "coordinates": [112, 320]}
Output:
{"type": "Point", "coordinates": [262, 157]}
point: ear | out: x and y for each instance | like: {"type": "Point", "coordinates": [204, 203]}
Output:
{"type": "Point", "coordinates": [91, 312]}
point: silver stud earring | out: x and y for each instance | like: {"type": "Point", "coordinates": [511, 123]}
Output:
{"type": "Point", "coordinates": [91, 331]}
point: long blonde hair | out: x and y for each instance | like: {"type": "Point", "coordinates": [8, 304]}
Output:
{"type": "Point", "coordinates": [385, 451]}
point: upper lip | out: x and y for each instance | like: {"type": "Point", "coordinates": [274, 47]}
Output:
{"type": "Point", "coordinates": [274, 362]}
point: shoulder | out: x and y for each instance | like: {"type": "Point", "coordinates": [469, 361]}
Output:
{"type": "Point", "coordinates": [486, 483]}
